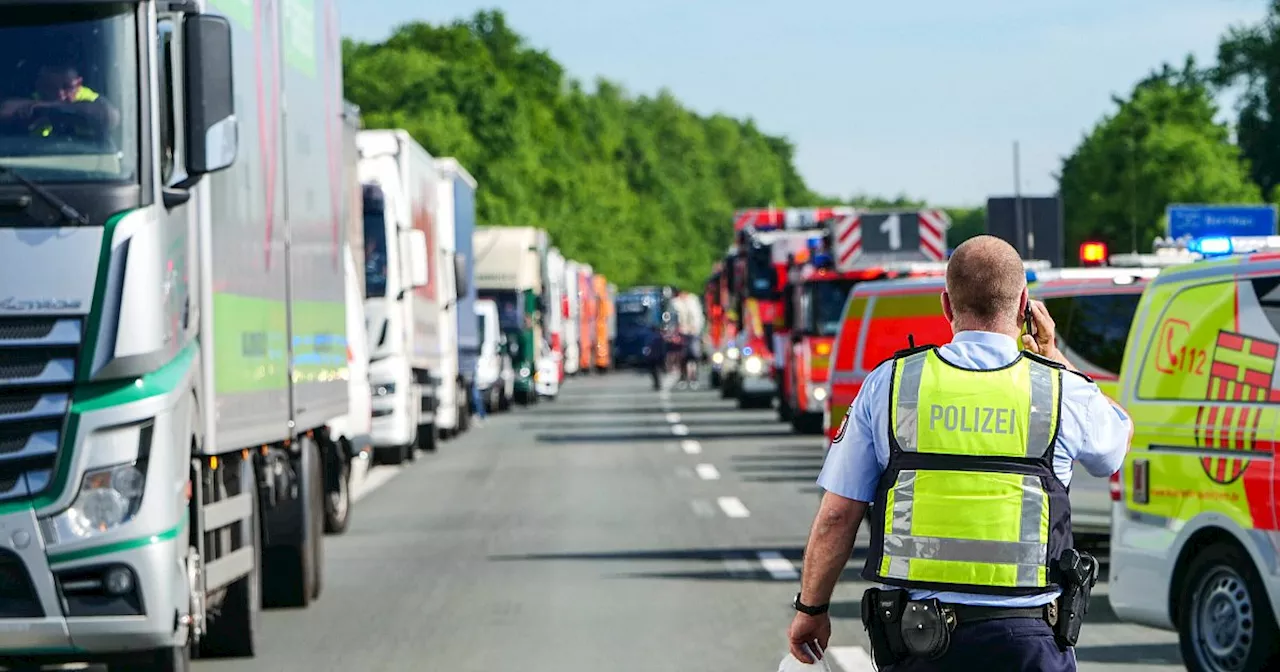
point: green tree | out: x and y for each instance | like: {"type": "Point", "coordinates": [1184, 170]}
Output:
{"type": "Point", "coordinates": [1250, 56]}
{"type": "Point", "coordinates": [639, 187]}
{"type": "Point", "coordinates": [1160, 146]}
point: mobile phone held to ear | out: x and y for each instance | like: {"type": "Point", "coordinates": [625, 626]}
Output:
{"type": "Point", "coordinates": [1029, 323]}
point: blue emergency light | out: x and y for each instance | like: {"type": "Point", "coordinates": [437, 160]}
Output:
{"type": "Point", "coordinates": [1031, 276]}
{"type": "Point", "coordinates": [818, 253]}
{"type": "Point", "coordinates": [1213, 246]}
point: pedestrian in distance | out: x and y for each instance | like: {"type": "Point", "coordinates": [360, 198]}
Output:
{"type": "Point", "coordinates": [963, 454]}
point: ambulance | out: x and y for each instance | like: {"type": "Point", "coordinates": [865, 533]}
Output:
{"type": "Point", "coordinates": [1194, 536]}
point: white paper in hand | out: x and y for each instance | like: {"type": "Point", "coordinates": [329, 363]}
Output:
{"type": "Point", "coordinates": [791, 664]}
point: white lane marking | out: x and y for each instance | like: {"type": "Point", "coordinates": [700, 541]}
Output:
{"type": "Point", "coordinates": [738, 566]}
{"type": "Point", "coordinates": [684, 472]}
{"type": "Point", "coordinates": [708, 472]}
{"type": "Point", "coordinates": [673, 417]}
{"type": "Point", "coordinates": [777, 566]}
{"type": "Point", "coordinates": [376, 478]}
{"type": "Point", "coordinates": [733, 507]}
{"type": "Point", "coordinates": [703, 508]}
{"type": "Point", "coordinates": [679, 430]}
{"type": "Point", "coordinates": [851, 658]}
{"type": "Point", "coordinates": [691, 447]}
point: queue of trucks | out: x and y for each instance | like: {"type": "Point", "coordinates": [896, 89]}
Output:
{"type": "Point", "coordinates": [1186, 339]}
{"type": "Point", "coordinates": [215, 310]}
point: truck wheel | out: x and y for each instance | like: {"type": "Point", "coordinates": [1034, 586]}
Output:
{"type": "Point", "coordinates": [390, 455]}
{"type": "Point", "coordinates": [337, 502]}
{"type": "Point", "coordinates": [464, 409]}
{"type": "Point", "coordinates": [172, 659]}
{"type": "Point", "coordinates": [1224, 617]}
{"type": "Point", "coordinates": [426, 440]}
{"type": "Point", "coordinates": [289, 569]}
{"type": "Point", "coordinates": [315, 520]}
{"type": "Point", "coordinates": [785, 414]}
{"type": "Point", "coordinates": [504, 402]}
{"type": "Point", "coordinates": [233, 632]}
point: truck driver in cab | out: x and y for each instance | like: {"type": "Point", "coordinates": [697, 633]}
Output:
{"type": "Point", "coordinates": [61, 106]}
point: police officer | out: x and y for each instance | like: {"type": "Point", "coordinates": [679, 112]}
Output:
{"type": "Point", "coordinates": [963, 453]}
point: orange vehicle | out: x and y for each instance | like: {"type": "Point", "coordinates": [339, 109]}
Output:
{"type": "Point", "coordinates": [603, 295]}
{"type": "Point", "coordinates": [586, 318]}
{"type": "Point", "coordinates": [713, 311]}
{"type": "Point", "coordinates": [878, 319]}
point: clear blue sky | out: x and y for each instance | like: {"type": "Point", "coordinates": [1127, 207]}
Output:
{"type": "Point", "coordinates": [920, 96]}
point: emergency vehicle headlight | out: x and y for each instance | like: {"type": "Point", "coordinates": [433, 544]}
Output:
{"type": "Point", "coordinates": [732, 353]}
{"type": "Point", "coordinates": [746, 352]}
{"type": "Point", "coordinates": [820, 393]}
{"type": "Point", "coordinates": [1212, 247]}
{"type": "Point", "coordinates": [754, 365]}
{"type": "Point", "coordinates": [717, 358]}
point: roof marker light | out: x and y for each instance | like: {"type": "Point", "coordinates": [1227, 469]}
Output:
{"type": "Point", "coordinates": [1093, 253]}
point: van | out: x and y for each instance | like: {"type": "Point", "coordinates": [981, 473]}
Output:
{"type": "Point", "coordinates": [495, 374]}
{"type": "Point", "coordinates": [1193, 536]}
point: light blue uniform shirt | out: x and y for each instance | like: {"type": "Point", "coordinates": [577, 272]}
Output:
{"type": "Point", "coordinates": [1092, 431]}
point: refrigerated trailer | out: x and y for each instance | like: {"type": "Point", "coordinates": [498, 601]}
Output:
{"type": "Point", "coordinates": [172, 325]}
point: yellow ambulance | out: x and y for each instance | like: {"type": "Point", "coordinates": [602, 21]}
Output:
{"type": "Point", "coordinates": [1194, 532]}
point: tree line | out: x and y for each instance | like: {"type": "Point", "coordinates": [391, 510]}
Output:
{"type": "Point", "coordinates": [643, 189]}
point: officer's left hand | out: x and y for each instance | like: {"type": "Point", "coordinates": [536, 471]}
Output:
{"type": "Point", "coordinates": [806, 629]}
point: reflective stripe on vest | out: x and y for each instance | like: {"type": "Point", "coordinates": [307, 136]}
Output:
{"type": "Point", "coordinates": [83, 95]}
{"type": "Point", "coordinates": [979, 528]}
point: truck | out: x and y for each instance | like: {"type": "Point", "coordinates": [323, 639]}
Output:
{"type": "Point", "coordinates": [603, 293]}
{"type": "Point", "coordinates": [586, 317]}
{"type": "Point", "coordinates": [573, 316]}
{"type": "Point", "coordinates": [557, 324]}
{"type": "Point", "coordinates": [400, 187]}
{"type": "Point", "coordinates": [351, 433]}
{"type": "Point", "coordinates": [495, 375]}
{"type": "Point", "coordinates": [509, 262]}
{"type": "Point", "coordinates": [639, 315]}
{"type": "Point", "coordinates": [459, 347]}
{"type": "Point", "coordinates": [172, 327]}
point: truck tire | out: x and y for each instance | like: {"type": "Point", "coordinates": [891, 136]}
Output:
{"type": "Point", "coordinates": [289, 569]}
{"type": "Point", "coordinates": [426, 440]}
{"type": "Point", "coordinates": [172, 659]}
{"type": "Point", "coordinates": [464, 409]}
{"type": "Point", "coordinates": [233, 634]}
{"type": "Point", "coordinates": [337, 500]}
{"type": "Point", "coordinates": [1222, 582]}
{"type": "Point", "coordinates": [316, 521]}
{"type": "Point", "coordinates": [785, 413]}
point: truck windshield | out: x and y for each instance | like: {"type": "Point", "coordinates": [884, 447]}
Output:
{"type": "Point", "coordinates": [762, 277]}
{"type": "Point", "coordinates": [1093, 328]}
{"type": "Point", "coordinates": [510, 316]}
{"type": "Point", "coordinates": [69, 103]}
{"type": "Point", "coordinates": [638, 313]}
{"type": "Point", "coordinates": [375, 254]}
{"type": "Point", "coordinates": [826, 306]}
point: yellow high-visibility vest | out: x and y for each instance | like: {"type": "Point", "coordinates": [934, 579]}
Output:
{"type": "Point", "coordinates": [83, 95]}
{"type": "Point", "coordinates": [969, 501]}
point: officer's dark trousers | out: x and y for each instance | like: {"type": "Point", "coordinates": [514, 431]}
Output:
{"type": "Point", "coordinates": [1002, 645]}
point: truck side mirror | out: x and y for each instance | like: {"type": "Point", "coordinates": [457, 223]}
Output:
{"type": "Point", "coordinates": [460, 279]}
{"type": "Point", "coordinates": [418, 266]}
{"type": "Point", "coordinates": [212, 131]}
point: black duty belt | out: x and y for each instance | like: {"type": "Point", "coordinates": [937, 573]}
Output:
{"type": "Point", "coordinates": [968, 613]}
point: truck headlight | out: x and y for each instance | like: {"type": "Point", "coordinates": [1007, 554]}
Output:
{"type": "Point", "coordinates": [753, 365]}
{"type": "Point", "coordinates": [732, 353]}
{"type": "Point", "coordinates": [819, 393]}
{"type": "Point", "coordinates": [717, 358]}
{"type": "Point", "coordinates": [108, 498]}
{"type": "Point", "coordinates": [384, 389]}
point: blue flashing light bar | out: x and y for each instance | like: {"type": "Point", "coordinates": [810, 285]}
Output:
{"type": "Point", "coordinates": [1212, 246]}
{"type": "Point", "coordinates": [746, 352]}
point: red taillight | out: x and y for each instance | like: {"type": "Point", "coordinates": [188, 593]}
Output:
{"type": "Point", "coordinates": [1117, 489]}
{"type": "Point", "coordinates": [1093, 254]}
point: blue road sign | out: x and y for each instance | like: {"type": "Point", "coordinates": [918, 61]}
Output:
{"type": "Point", "coordinates": [1199, 221]}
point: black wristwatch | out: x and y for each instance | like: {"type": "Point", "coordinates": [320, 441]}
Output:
{"type": "Point", "coordinates": [806, 609]}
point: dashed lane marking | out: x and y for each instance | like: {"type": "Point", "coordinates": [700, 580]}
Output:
{"type": "Point", "coordinates": [679, 430]}
{"type": "Point", "coordinates": [702, 508]}
{"type": "Point", "coordinates": [733, 507]}
{"type": "Point", "coordinates": [777, 566]}
{"type": "Point", "coordinates": [736, 566]}
{"type": "Point", "coordinates": [708, 472]}
{"type": "Point", "coordinates": [673, 417]}
{"type": "Point", "coordinates": [851, 658]}
{"type": "Point", "coordinates": [691, 447]}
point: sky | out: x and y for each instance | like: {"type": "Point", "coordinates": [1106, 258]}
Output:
{"type": "Point", "coordinates": [922, 97]}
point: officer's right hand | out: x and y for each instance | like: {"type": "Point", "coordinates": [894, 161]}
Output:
{"type": "Point", "coordinates": [1044, 342]}
{"type": "Point", "coordinates": [806, 629]}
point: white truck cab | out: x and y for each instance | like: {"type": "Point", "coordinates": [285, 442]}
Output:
{"type": "Point", "coordinates": [495, 375]}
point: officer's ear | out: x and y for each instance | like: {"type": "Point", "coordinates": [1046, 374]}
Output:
{"type": "Point", "coordinates": [947, 312]}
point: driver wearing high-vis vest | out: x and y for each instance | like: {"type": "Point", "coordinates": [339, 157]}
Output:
{"type": "Point", "coordinates": [963, 454]}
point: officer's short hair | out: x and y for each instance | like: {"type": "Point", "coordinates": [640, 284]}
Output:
{"type": "Point", "coordinates": [985, 278]}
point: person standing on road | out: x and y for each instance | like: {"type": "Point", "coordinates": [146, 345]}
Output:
{"type": "Point", "coordinates": [690, 322]}
{"type": "Point", "coordinates": [964, 453]}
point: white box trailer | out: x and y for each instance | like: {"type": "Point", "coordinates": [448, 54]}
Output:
{"type": "Point", "coordinates": [555, 321]}
{"type": "Point", "coordinates": [400, 192]}
{"type": "Point", "coordinates": [573, 314]}
{"type": "Point", "coordinates": [509, 271]}
{"type": "Point", "coordinates": [174, 332]}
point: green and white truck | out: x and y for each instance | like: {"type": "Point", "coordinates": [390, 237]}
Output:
{"type": "Point", "coordinates": [172, 322]}
{"type": "Point", "coordinates": [509, 271]}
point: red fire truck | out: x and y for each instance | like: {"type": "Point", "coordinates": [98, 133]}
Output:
{"type": "Point", "coordinates": [856, 247]}
{"type": "Point", "coordinates": [713, 311]}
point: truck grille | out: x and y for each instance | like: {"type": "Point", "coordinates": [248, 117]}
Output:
{"type": "Point", "coordinates": [37, 369]}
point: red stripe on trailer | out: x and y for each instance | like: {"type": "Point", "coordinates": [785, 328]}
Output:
{"type": "Point", "coordinates": [848, 227]}
{"type": "Point", "coordinates": [268, 118]}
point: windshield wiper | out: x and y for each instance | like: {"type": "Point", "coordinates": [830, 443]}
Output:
{"type": "Point", "coordinates": [68, 213]}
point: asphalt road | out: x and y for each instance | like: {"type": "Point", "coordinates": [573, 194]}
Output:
{"type": "Point", "coordinates": [616, 528]}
